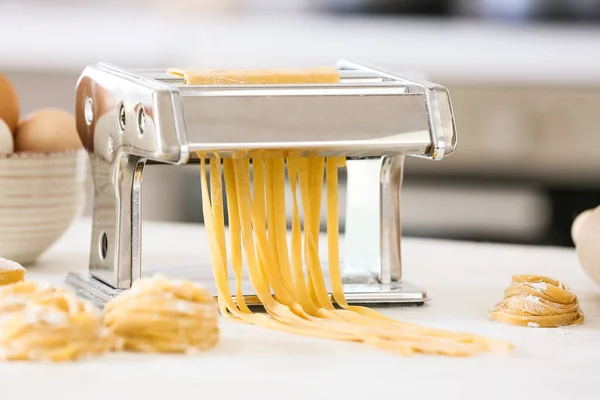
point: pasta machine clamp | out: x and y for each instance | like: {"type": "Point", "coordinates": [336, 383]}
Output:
{"type": "Point", "coordinates": [127, 119]}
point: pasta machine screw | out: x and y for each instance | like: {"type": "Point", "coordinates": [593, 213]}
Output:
{"type": "Point", "coordinates": [89, 111]}
{"type": "Point", "coordinates": [122, 121]}
{"type": "Point", "coordinates": [110, 146]}
{"type": "Point", "coordinates": [141, 119]}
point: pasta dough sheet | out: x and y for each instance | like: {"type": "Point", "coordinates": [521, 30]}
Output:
{"type": "Point", "coordinates": [257, 76]}
{"type": "Point", "coordinates": [537, 301]}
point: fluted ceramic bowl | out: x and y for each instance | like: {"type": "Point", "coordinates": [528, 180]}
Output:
{"type": "Point", "coordinates": [40, 196]}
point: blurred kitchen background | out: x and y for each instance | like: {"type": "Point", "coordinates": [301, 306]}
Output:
{"type": "Point", "coordinates": [524, 77]}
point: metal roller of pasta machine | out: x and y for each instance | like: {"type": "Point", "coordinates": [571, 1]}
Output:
{"type": "Point", "coordinates": [127, 119]}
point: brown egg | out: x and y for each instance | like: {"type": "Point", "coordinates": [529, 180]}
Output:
{"type": "Point", "coordinates": [9, 103]}
{"type": "Point", "coordinates": [47, 130]}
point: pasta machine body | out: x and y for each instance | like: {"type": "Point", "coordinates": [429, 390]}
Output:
{"type": "Point", "coordinates": [127, 119]}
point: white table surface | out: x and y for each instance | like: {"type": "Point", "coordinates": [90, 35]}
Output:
{"type": "Point", "coordinates": [464, 280]}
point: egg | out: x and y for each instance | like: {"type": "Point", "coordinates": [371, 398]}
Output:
{"type": "Point", "coordinates": [47, 130]}
{"type": "Point", "coordinates": [6, 138]}
{"type": "Point", "coordinates": [9, 103]}
{"type": "Point", "coordinates": [586, 236]}
{"type": "Point", "coordinates": [578, 224]}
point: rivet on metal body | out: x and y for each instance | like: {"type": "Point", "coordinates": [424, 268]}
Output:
{"type": "Point", "coordinates": [89, 111]}
{"type": "Point", "coordinates": [141, 119]}
{"type": "Point", "coordinates": [110, 146]}
{"type": "Point", "coordinates": [122, 120]}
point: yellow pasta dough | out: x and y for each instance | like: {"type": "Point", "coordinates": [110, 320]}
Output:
{"type": "Point", "coordinates": [158, 315]}
{"type": "Point", "coordinates": [288, 276]}
{"type": "Point", "coordinates": [257, 76]}
{"type": "Point", "coordinates": [42, 323]}
{"type": "Point", "coordinates": [537, 301]}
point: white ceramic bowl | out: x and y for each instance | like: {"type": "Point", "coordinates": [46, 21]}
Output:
{"type": "Point", "coordinates": [40, 196]}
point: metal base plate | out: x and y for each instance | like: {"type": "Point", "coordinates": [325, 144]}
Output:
{"type": "Point", "coordinates": [356, 290]}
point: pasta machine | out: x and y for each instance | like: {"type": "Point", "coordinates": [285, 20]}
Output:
{"type": "Point", "coordinates": [127, 119]}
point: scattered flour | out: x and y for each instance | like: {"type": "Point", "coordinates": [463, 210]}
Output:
{"type": "Point", "coordinates": [185, 307]}
{"type": "Point", "coordinates": [8, 265]}
{"type": "Point", "coordinates": [539, 285]}
{"type": "Point", "coordinates": [532, 299]}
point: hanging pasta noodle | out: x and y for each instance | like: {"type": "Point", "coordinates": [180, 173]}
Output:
{"type": "Point", "coordinates": [289, 281]}
{"type": "Point", "coordinates": [287, 277]}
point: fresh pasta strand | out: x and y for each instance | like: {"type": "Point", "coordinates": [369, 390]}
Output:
{"type": "Point", "coordinates": [227, 306]}
{"type": "Point", "coordinates": [296, 299]}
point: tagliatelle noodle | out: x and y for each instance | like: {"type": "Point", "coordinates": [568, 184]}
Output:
{"type": "Point", "coordinates": [289, 306]}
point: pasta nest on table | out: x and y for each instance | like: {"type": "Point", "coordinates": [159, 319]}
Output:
{"type": "Point", "coordinates": [44, 323]}
{"type": "Point", "coordinates": [162, 315]}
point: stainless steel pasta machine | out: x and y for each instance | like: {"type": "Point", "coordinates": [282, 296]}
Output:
{"type": "Point", "coordinates": [127, 119]}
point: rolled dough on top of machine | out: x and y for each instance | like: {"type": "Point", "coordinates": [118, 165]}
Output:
{"type": "Point", "coordinates": [257, 76]}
